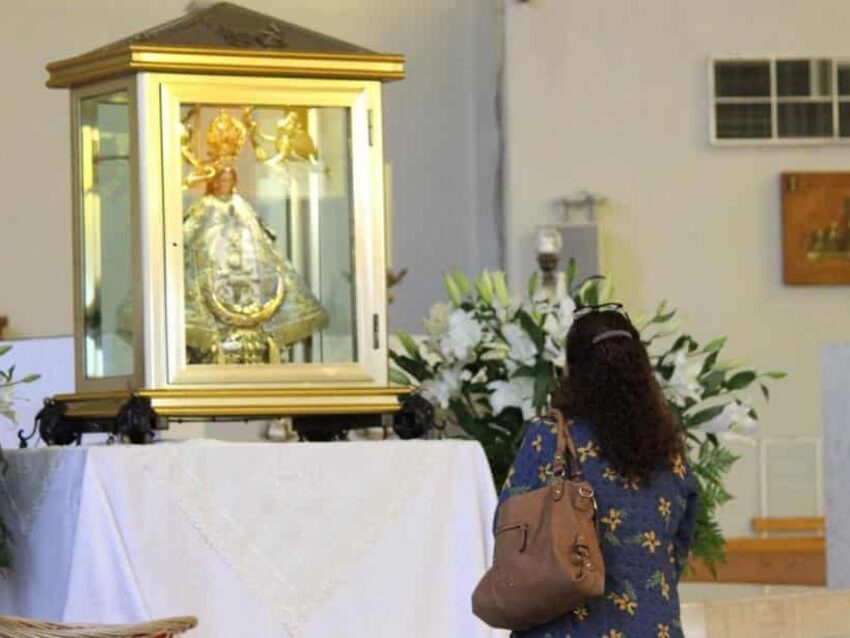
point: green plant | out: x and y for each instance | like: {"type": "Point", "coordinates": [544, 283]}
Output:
{"type": "Point", "coordinates": [490, 360]}
{"type": "Point", "coordinates": [8, 382]}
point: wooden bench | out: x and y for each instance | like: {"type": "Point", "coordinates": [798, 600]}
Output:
{"type": "Point", "coordinates": [779, 560]}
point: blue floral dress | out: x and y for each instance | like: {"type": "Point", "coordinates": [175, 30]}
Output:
{"type": "Point", "coordinates": [645, 532]}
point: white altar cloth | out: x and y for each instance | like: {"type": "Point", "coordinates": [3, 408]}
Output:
{"type": "Point", "coordinates": [314, 540]}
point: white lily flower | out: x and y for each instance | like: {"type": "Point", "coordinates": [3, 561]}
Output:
{"type": "Point", "coordinates": [464, 333]}
{"type": "Point", "coordinates": [684, 383]}
{"type": "Point", "coordinates": [560, 319]}
{"type": "Point", "coordinates": [522, 348]}
{"type": "Point", "coordinates": [446, 385]}
{"type": "Point", "coordinates": [437, 323]}
{"type": "Point", "coordinates": [734, 418]}
{"type": "Point", "coordinates": [516, 393]}
{"type": "Point", "coordinates": [7, 400]}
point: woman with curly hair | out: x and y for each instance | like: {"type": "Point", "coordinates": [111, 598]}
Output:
{"type": "Point", "coordinates": [632, 453]}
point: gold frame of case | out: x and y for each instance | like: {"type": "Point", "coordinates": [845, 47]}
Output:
{"type": "Point", "coordinates": [194, 61]}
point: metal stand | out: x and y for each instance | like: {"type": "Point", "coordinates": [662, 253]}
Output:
{"type": "Point", "coordinates": [135, 423]}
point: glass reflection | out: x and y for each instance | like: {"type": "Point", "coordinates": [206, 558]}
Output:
{"type": "Point", "coordinates": [104, 164]}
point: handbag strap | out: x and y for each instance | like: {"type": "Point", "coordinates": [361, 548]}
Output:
{"type": "Point", "coordinates": [566, 461]}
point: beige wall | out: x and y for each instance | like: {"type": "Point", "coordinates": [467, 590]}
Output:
{"type": "Point", "coordinates": [440, 137]}
{"type": "Point", "coordinates": [613, 97]}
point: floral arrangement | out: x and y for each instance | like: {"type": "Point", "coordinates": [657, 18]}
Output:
{"type": "Point", "coordinates": [490, 360]}
{"type": "Point", "coordinates": [7, 411]}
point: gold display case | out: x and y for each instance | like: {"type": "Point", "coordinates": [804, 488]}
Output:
{"type": "Point", "coordinates": [229, 230]}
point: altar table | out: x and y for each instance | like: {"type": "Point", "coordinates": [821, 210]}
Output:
{"type": "Point", "coordinates": [309, 540]}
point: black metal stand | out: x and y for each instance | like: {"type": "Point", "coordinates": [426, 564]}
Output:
{"type": "Point", "coordinates": [135, 422]}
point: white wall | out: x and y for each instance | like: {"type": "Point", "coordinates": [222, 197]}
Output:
{"type": "Point", "coordinates": [613, 97]}
{"type": "Point", "coordinates": [440, 132]}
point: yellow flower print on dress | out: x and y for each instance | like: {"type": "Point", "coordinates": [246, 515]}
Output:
{"type": "Point", "coordinates": [544, 472]}
{"type": "Point", "coordinates": [671, 553]}
{"type": "Point", "coordinates": [589, 451]}
{"type": "Point", "coordinates": [663, 631]}
{"type": "Point", "coordinates": [665, 508]}
{"type": "Point", "coordinates": [624, 602]}
{"type": "Point", "coordinates": [678, 466]}
{"type": "Point", "coordinates": [609, 474]}
{"type": "Point", "coordinates": [613, 634]}
{"type": "Point", "coordinates": [613, 519]}
{"type": "Point", "coordinates": [659, 582]}
{"type": "Point", "coordinates": [631, 484]}
{"type": "Point", "coordinates": [650, 542]}
{"type": "Point", "coordinates": [581, 613]}
{"type": "Point", "coordinates": [537, 443]}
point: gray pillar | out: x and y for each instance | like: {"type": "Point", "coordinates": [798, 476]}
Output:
{"type": "Point", "coordinates": [836, 441]}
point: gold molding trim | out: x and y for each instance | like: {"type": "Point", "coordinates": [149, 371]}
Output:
{"type": "Point", "coordinates": [224, 393]}
{"type": "Point", "coordinates": [265, 411]}
{"type": "Point", "coordinates": [241, 402]}
{"type": "Point", "coordinates": [90, 67]}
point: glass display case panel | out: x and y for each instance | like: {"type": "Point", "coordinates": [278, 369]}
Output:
{"type": "Point", "coordinates": [104, 181]}
{"type": "Point", "coordinates": [268, 239]}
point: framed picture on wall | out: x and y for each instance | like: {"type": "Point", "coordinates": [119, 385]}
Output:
{"type": "Point", "coordinates": [816, 228]}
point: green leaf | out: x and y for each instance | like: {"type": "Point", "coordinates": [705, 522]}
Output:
{"type": "Point", "coordinates": [4, 349]}
{"type": "Point", "coordinates": [29, 378]}
{"type": "Point", "coordinates": [606, 290]}
{"type": "Point", "coordinates": [524, 371]}
{"type": "Point", "coordinates": [741, 380]}
{"type": "Point", "coordinates": [531, 327]}
{"type": "Point", "coordinates": [765, 391]}
{"type": "Point", "coordinates": [708, 364]}
{"type": "Point", "coordinates": [591, 295]}
{"type": "Point", "coordinates": [715, 346]}
{"type": "Point", "coordinates": [416, 369]}
{"type": "Point", "coordinates": [703, 416]}
{"type": "Point", "coordinates": [775, 375]}
{"type": "Point", "coordinates": [533, 283]}
{"type": "Point", "coordinates": [409, 344]}
{"type": "Point", "coordinates": [572, 269]}
{"type": "Point", "coordinates": [398, 377]}
{"type": "Point", "coordinates": [542, 385]}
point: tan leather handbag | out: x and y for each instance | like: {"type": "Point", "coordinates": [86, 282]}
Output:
{"type": "Point", "coordinates": [547, 559]}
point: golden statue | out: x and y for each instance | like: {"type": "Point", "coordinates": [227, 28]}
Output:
{"type": "Point", "coordinates": [245, 303]}
{"type": "Point", "coordinates": [291, 140]}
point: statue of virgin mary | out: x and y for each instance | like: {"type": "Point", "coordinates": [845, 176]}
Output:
{"type": "Point", "coordinates": [245, 302]}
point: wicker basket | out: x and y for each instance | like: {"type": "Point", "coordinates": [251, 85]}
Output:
{"type": "Point", "coordinates": [24, 628]}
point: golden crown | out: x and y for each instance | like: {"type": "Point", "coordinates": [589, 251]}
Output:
{"type": "Point", "coordinates": [225, 138]}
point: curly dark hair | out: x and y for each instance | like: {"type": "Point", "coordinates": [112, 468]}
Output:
{"type": "Point", "coordinates": [610, 384]}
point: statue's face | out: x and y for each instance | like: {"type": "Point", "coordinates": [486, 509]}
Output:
{"type": "Point", "coordinates": [223, 183]}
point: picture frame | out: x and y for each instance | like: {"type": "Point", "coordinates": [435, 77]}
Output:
{"type": "Point", "coordinates": [816, 228]}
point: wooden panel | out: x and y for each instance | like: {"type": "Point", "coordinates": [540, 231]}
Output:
{"type": "Point", "coordinates": [816, 228]}
{"type": "Point", "coordinates": [768, 561]}
{"type": "Point", "coordinates": [815, 524]}
{"type": "Point", "coordinates": [3, 323]}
